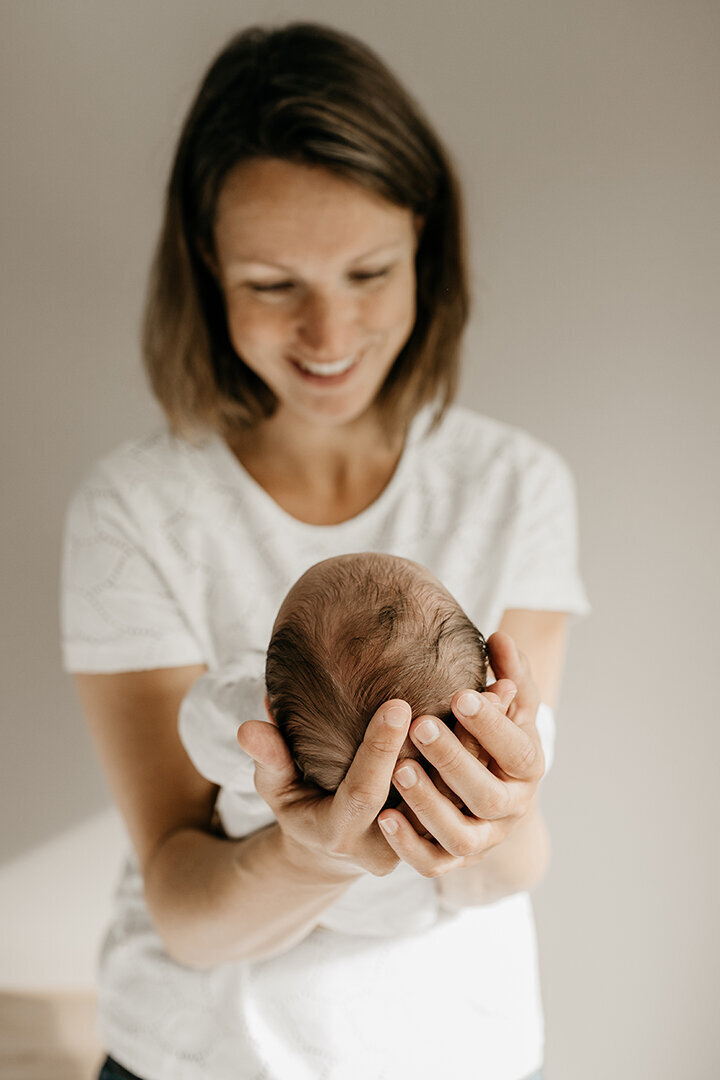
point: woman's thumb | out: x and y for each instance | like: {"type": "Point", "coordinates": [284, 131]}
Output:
{"type": "Point", "coordinates": [274, 767]}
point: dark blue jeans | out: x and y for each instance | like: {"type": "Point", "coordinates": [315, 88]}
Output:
{"type": "Point", "coordinates": [112, 1071]}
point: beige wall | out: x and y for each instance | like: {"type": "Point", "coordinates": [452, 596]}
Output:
{"type": "Point", "coordinates": [587, 136]}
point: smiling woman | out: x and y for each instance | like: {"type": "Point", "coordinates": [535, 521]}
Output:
{"type": "Point", "coordinates": [356, 196]}
{"type": "Point", "coordinates": [302, 332]}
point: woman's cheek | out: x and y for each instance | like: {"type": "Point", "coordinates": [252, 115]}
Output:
{"type": "Point", "coordinates": [252, 326]}
{"type": "Point", "coordinates": [399, 302]}
{"type": "Point", "coordinates": [397, 312]}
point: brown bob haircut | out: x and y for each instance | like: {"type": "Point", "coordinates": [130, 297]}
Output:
{"type": "Point", "coordinates": [311, 95]}
{"type": "Point", "coordinates": [353, 632]}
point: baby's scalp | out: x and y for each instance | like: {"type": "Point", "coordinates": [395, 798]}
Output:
{"type": "Point", "coordinates": [355, 631]}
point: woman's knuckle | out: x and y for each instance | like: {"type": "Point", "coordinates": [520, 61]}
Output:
{"type": "Point", "coordinates": [463, 846]}
{"type": "Point", "coordinates": [431, 871]}
{"type": "Point", "coordinates": [421, 806]}
{"type": "Point", "coordinates": [360, 800]}
{"type": "Point", "coordinates": [452, 758]}
{"type": "Point", "coordinates": [492, 722]}
{"type": "Point", "coordinates": [496, 803]}
{"type": "Point", "coordinates": [528, 757]}
{"type": "Point", "coordinates": [537, 766]}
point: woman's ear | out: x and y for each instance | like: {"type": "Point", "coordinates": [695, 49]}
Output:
{"type": "Point", "coordinates": [270, 716]}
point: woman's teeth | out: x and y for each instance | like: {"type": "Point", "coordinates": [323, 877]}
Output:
{"type": "Point", "coordinates": [336, 368]}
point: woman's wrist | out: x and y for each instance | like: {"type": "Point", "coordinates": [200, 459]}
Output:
{"type": "Point", "coordinates": [215, 900]}
{"type": "Point", "coordinates": [313, 866]}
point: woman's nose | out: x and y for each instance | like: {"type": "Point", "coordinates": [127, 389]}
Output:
{"type": "Point", "coordinates": [327, 325]}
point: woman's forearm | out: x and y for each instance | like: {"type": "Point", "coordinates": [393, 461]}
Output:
{"type": "Point", "coordinates": [515, 865]}
{"type": "Point", "coordinates": [215, 900]}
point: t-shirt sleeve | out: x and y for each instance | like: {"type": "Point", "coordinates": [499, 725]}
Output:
{"type": "Point", "coordinates": [543, 570]}
{"type": "Point", "coordinates": [117, 612]}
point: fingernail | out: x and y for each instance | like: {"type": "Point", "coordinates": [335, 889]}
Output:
{"type": "Point", "coordinates": [469, 704]}
{"type": "Point", "coordinates": [397, 716]}
{"type": "Point", "coordinates": [388, 825]}
{"type": "Point", "coordinates": [405, 776]}
{"type": "Point", "coordinates": [427, 731]}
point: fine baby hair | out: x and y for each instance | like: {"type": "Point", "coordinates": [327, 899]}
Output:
{"type": "Point", "coordinates": [355, 631]}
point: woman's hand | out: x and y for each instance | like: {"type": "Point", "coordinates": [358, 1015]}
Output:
{"type": "Point", "coordinates": [496, 788]}
{"type": "Point", "coordinates": [337, 834]}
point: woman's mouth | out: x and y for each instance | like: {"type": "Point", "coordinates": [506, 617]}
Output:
{"type": "Point", "coordinates": [330, 372]}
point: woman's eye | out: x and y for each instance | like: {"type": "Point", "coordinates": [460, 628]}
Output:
{"type": "Point", "coordinates": [278, 287]}
{"type": "Point", "coordinates": [370, 275]}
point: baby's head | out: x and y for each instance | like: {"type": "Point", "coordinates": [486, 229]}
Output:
{"type": "Point", "coordinates": [355, 631]}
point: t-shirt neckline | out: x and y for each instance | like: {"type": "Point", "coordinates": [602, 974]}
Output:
{"type": "Point", "coordinates": [234, 471]}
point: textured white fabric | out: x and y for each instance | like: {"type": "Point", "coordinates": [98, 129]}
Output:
{"type": "Point", "coordinates": [175, 556]}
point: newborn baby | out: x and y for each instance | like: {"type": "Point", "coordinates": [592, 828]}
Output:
{"type": "Point", "coordinates": [355, 631]}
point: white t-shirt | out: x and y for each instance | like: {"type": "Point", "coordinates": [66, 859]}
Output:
{"type": "Point", "coordinates": [175, 556]}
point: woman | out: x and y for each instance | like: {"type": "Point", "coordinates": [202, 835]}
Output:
{"type": "Point", "coordinates": [302, 330]}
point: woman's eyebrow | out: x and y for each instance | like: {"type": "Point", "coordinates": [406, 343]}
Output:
{"type": "Point", "coordinates": [270, 264]}
{"type": "Point", "coordinates": [393, 246]}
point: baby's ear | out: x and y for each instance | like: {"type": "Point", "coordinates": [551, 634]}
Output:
{"type": "Point", "coordinates": [270, 716]}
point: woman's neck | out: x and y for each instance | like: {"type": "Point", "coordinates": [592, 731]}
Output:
{"type": "Point", "coordinates": [321, 475]}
